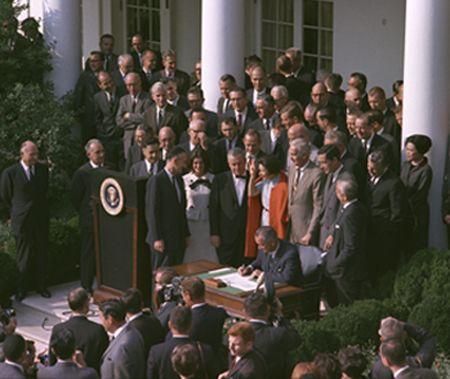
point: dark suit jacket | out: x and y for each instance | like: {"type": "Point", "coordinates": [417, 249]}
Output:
{"type": "Point", "coordinates": [163, 314]}
{"type": "Point", "coordinates": [121, 89]}
{"type": "Point", "coordinates": [10, 372]}
{"type": "Point", "coordinates": [207, 325]}
{"type": "Point", "coordinates": [220, 106]}
{"type": "Point", "coordinates": [159, 365]}
{"type": "Point", "coordinates": [352, 166]}
{"type": "Point", "coordinates": [182, 78]}
{"type": "Point", "coordinates": [284, 268]}
{"type": "Point", "coordinates": [134, 156]}
{"type": "Point", "coordinates": [249, 93]}
{"type": "Point", "coordinates": [275, 343]}
{"type": "Point", "coordinates": [105, 117]}
{"type": "Point", "coordinates": [84, 92]}
{"type": "Point", "coordinates": [306, 76]}
{"type": "Point", "coordinates": [251, 366]}
{"type": "Point", "coordinates": [136, 60]}
{"type": "Point", "coordinates": [226, 217]}
{"type": "Point", "coordinates": [220, 156]}
{"type": "Point", "coordinates": [151, 330]}
{"type": "Point", "coordinates": [173, 117]}
{"type": "Point", "coordinates": [139, 169]}
{"type": "Point", "coordinates": [212, 123]}
{"type": "Point", "coordinates": [251, 116]}
{"type": "Point", "coordinates": [346, 258]}
{"type": "Point", "coordinates": [81, 194]}
{"type": "Point", "coordinates": [124, 357]}
{"type": "Point", "coordinates": [392, 127]}
{"type": "Point", "coordinates": [182, 103]}
{"type": "Point", "coordinates": [67, 370]}
{"type": "Point", "coordinates": [166, 216]}
{"type": "Point", "coordinates": [26, 199]}
{"type": "Point", "coordinates": [356, 149]}
{"type": "Point", "coordinates": [298, 90]}
{"type": "Point", "coordinates": [90, 338]}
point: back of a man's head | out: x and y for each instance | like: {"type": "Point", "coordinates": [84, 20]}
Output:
{"type": "Point", "coordinates": [180, 320]}
{"type": "Point", "coordinates": [77, 299]}
{"type": "Point", "coordinates": [132, 300]}
{"type": "Point", "coordinates": [393, 352]}
{"type": "Point", "coordinates": [352, 361]}
{"type": "Point", "coordinates": [113, 308]}
{"type": "Point", "coordinates": [63, 344]}
{"type": "Point", "coordinates": [390, 327]}
{"type": "Point", "coordinates": [185, 360]}
{"type": "Point", "coordinates": [327, 366]}
{"type": "Point", "coordinates": [14, 347]}
{"type": "Point", "coordinates": [256, 306]}
{"type": "Point", "coordinates": [195, 287]}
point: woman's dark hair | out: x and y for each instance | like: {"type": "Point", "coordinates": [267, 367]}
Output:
{"type": "Point", "coordinates": [271, 163]}
{"type": "Point", "coordinates": [198, 152]}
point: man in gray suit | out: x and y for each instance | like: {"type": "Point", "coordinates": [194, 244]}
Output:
{"type": "Point", "coordinates": [131, 109]}
{"type": "Point", "coordinates": [152, 163]}
{"type": "Point", "coordinates": [124, 357]}
{"type": "Point", "coordinates": [305, 194]}
{"type": "Point", "coordinates": [62, 344]}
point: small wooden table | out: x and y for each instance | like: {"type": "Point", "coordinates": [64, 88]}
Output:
{"type": "Point", "coordinates": [297, 302]}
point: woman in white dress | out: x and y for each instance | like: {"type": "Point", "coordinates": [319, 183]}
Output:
{"type": "Point", "coordinates": [198, 188]}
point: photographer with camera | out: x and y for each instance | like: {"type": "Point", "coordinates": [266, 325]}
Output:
{"type": "Point", "coordinates": [166, 296]}
{"type": "Point", "coordinates": [273, 340]}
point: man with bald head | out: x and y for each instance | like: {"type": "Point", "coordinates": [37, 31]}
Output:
{"type": "Point", "coordinates": [259, 85]}
{"type": "Point", "coordinates": [297, 131]}
{"type": "Point", "coordinates": [353, 98]}
{"type": "Point", "coordinates": [195, 128]}
{"type": "Point", "coordinates": [23, 189]}
{"type": "Point", "coordinates": [131, 109]}
{"type": "Point", "coordinates": [167, 139]}
{"type": "Point", "coordinates": [125, 66]}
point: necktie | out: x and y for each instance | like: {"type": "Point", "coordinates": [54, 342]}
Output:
{"type": "Point", "coordinates": [225, 106]}
{"type": "Point", "coordinates": [228, 145]}
{"type": "Point", "coordinates": [30, 173]}
{"type": "Point", "coordinates": [297, 179]}
{"type": "Point", "coordinates": [133, 107]}
{"type": "Point", "coordinates": [150, 169]}
{"type": "Point", "coordinates": [267, 123]}
{"type": "Point", "coordinates": [160, 118]}
{"type": "Point", "coordinates": [177, 189]}
{"type": "Point", "coordinates": [239, 120]}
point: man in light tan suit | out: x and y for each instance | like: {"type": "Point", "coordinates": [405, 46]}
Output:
{"type": "Point", "coordinates": [305, 194]}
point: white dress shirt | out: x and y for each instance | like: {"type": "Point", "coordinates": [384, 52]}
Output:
{"type": "Point", "coordinates": [239, 186]}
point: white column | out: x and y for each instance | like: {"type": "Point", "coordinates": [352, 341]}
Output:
{"type": "Point", "coordinates": [223, 44]}
{"type": "Point", "coordinates": [91, 30]}
{"type": "Point", "coordinates": [62, 31]}
{"type": "Point", "coordinates": [427, 92]}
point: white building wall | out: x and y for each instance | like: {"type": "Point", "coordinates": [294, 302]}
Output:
{"type": "Point", "coordinates": [186, 32]}
{"type": "Point", "coordinates": [369, 37]}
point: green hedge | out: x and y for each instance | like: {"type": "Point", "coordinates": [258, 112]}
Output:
{"type": "Point", "coordinates": [8, 277]}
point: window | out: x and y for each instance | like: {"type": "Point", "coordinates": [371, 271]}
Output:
{"type": "Point", "coordinates": [318, 34]}
{"type": "Point", "coordinates": [143, 17]}
{"type": "Point", "coordinates": [277, 29]}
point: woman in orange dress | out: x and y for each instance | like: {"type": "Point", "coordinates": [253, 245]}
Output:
{"type": "Point", "coordinates": [267, 200]}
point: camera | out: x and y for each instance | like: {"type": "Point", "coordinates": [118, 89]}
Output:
{"type": "Point", "coordinates": [173, 291]}
{"type": "Point", "coordinates": [6, 315]}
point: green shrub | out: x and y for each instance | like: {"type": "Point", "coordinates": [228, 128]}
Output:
{"type": "Point", "coordinates": [8, 277]}
{"type": "Point", "coordinates": [64, 250]}
{"type": "Point", "coordinates": [438, 281]}
{"type": "Point", "coordinates": [314, 339]}
{"type": "Point", "coordinates": [412, 278]}
{"type": "Point", "coordinates": [32, 112]}
{"type": "Point", "coordinates": [433, 314]}
{"type": "Point", "coordinates": [356, 324]}
{"type": "Point", "coordinates": [7, 242]}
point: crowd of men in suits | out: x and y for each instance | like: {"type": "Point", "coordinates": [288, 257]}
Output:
{"type": "Point", "coordinates": [337, 172]}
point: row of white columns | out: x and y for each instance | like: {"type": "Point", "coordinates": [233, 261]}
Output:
{"type": "Point", "coordinates": [426, 68]}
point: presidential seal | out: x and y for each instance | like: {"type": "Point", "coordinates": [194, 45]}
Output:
{"type": "Point", "coordinates": [111, 196]}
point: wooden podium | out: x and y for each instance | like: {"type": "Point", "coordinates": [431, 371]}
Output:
{"type": "Point", "coordinates": [122, 256]}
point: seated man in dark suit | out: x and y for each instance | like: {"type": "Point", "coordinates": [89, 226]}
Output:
{"type": "Point", "coordinates": [276, 258]}
{"type": "Point", "coordinates": [63, 345]}
{"type": "Point", "coordinates": [207, 320]}
{"type": "Point", "coordinates": [245, 360]}
{"type": "Point", "coordinates": [159, 364]}
{"type": "Point", "coordinates": [90, 338]}
{"type": "Point", "coordinates": [274, 341]}
{"type": "Point", "coordinates": [346, 259]}
{"type": "Point", "coordinates": [393, 356]}
{"type": "Point", "coordinates": [143, 320]}
{"type": "Point", "coordinates": [151, 164]}
{"type": "Point", "coordinates": [15, 351]}
{"type": "Point", "coordinates": [420, 345]}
